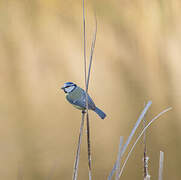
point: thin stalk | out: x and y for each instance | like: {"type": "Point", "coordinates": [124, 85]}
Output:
{"type": "Point", "coordinates": [145, 165]}
{"type": "Point", "coordinates": [160, 177]}
{"type": "Point", "coordinates": [86, 89]}
{"type": "Point", "coordinates": [118, 162]}
{"type": "Point", "coordinates": [84, 39]}
{"type": "Point", "coordinates": [91, 54]}
{"type": "Point", "coordinates": [87, 86]}
{"type": "Point", "coordinates": [89, 147]}
{"type": "Point", "coordinates": [76, 165]}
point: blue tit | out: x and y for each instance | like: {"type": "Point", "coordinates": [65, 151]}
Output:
{"type": "Point", "coordinates": [77, 97]}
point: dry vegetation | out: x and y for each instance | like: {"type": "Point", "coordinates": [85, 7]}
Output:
{"type": "Point", "coordinates": [137, 57]}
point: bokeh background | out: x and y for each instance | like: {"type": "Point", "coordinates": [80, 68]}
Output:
{"type": "Point", "coordinates": [136, 59]}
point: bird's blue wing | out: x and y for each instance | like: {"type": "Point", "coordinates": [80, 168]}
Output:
{"type": "Point", "coordinates": [91, 104]}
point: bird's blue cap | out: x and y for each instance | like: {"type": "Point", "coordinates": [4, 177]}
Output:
{"type": "Point", "coordinates": [67, 84]}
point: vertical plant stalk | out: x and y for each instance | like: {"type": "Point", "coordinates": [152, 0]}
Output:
{"type": "Point", "coordinates": [89, 148]}
{"type": "Point", "coordinates": [87, 86]}
{"type": "Point", "coordinates": [76, 165]}
{"type": "Point", "coordinates": [144, 154]}
{"type": "Point", "coordinates": [160, 176]}
{"type": "Point", "coordinates": [118, 162]}
{"type": "Point", "coordinates": [145, 158]}
{"type": "Point", "coordinates": [84, 39]}
{"type": "Point", "coordinates": [86, 90]}
{"type": "Point", "coordinates": [91, 54]}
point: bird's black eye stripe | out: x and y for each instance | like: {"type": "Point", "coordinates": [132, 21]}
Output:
{"type": "Point", "coordinates": [68, 86]}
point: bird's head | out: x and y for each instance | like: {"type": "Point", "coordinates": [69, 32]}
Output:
{"type": "Point", "coordinates": [68, 87]}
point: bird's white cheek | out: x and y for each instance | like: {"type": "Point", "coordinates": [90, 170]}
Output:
{"type": "Point", "coordinates": [69, 89]}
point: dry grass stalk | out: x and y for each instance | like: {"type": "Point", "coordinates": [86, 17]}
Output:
{"type": "Point", "coordinates": [160, 177]}
{"type": "Point", "coordinates": [118, 162]}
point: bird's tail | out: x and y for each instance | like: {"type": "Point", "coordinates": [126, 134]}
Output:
{"type": "Point", "coordinates": [101, 114]}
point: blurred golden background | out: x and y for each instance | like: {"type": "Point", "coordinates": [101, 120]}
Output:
{"type": "Point", "coordinates": [136, 59]}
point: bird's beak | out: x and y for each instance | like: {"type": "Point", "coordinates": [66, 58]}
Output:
{"type": "Point", "coordinates": [63, 88]}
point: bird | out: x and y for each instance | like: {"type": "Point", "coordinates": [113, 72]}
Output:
{"type": "Point", "coordinates": [76, 96]}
